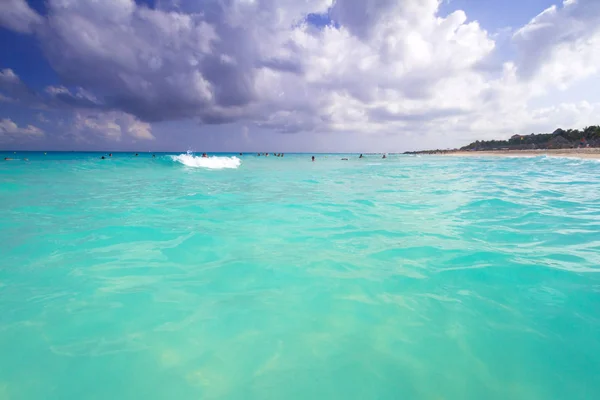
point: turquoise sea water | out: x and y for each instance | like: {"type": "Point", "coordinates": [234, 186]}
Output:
{"type": "Point", "coordinates": [279, 278]}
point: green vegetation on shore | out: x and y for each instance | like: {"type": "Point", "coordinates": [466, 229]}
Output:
{"type": "Point", "coordinates": [559, 139]}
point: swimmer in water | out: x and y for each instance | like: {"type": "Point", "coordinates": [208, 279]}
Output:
{"type": "Point", "coordinates": [204, 155]}
{"type": "Point", "coordinates": [344, 159]}
{"type": "Point", "coordinates": [110, 155]}
{"type": "Point", "coordinates": [7, 159]}
{"type": "Point", "coordinates": [153, 155]}
{"type": "Point", "coordinates": [361, 156]}
{"type": "Point", "coordinates": [384, 156]}
{"type": "Point", "coordinates": [313, 158]}
{"type": "Point", "coordinates": [103, 158]}
{"type": "Point", "coordinates": [136, 154]}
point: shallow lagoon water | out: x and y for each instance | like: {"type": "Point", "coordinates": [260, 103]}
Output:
{"type": "Point", "coordinates": [410, 277]}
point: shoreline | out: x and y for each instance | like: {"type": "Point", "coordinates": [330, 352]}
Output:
{"type": "Point", "coordinates": [587, 153]}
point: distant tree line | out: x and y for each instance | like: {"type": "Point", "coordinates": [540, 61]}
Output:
{"type": "Point", "coordinates": [559, 139]}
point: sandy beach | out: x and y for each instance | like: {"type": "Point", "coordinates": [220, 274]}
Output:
{"type": "Point", "coordinates": [592, 153]}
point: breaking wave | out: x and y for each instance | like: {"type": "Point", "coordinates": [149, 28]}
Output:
{"type": "Point", "coordinates": [190, 160]}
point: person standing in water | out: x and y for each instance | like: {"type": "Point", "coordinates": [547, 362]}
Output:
{"type": "Point", "coordinates": [313, 158]}
{"type": "Point", "coordinates": [361, 156]}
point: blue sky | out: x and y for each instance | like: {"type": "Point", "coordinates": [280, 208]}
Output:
{"type": "Point", "coordinates": [495, 15]}
{"type": "Point", "coordinates": [318, 75]}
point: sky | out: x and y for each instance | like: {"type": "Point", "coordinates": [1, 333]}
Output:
{"type": "Point", "coordinates": [293, 75]}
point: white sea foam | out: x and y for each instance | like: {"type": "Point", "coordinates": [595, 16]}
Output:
{"type": "Point", "coordinates": [579, 160]}
{"type": "Point", "coordinates": [207, 162]}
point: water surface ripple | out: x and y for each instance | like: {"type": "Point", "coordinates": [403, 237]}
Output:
{"type": "Point", "coordinates": [279, 278]}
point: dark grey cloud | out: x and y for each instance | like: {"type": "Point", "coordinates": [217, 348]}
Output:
{"type": "Point", "coordinates": [361, 16]}
{"type": "Point", "coordinates": [292, 122]}
{"type": "Point", "coordinates": [282, 65]}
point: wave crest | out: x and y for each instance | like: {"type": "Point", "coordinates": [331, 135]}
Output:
{"type": "Point", "coordinates": [190, 160]}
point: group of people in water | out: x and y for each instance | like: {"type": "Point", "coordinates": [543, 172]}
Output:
{"type": "Point", "coordinates": [267, 154]}
{"type": "Point", "coordinates": [204, 155]}
{"type": "Point", "coordinates": [361, 156]}
{"type": "Point", "coordinates": [136, 155]}
{"type": "Point", "coordinates": [11, 159]}
{"type": "Point", "coordinates": [345, 159]}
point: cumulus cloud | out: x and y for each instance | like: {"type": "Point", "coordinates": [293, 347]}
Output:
{"type": "Point", "coordinates": [18, 16]}
{"type": "Point", "coordinates": [12, 89]}
{"type": "Point", "coordinates": [379, 67]}
{"type": "Point", "coordinates": [10, 130]}
{"type": "Point", "coordinates": [258, 60]}
{"type": "Point", "coordinates": [560, 45]}
{"type": "Point", "coordinates": [565, 115]}
{"type": "Point", "coordinates": [91, 115]}
{"type": "Point", "coordinates": [113, 125]}
{"type": "Point", "coordinates": [81, 98]}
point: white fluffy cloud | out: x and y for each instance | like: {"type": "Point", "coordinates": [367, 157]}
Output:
{"type": "Point", "coordinates": [560, 45]}
{"type": "Point", "coordinates": [381, 67]}
{"type": "Point", "coordinates": [579, 114]}
{"type": "Point", "coordinates": [113, 125]}
{"type": "Point", "coordinates": [10, 130]}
